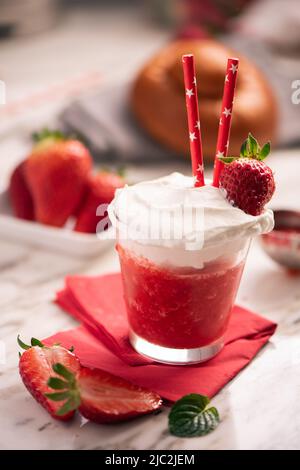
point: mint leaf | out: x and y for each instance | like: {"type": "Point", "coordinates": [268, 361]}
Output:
{"type": "Point", "coordinates": [264, 151]}
{"type": "Point", "coordinates": [191, 417]}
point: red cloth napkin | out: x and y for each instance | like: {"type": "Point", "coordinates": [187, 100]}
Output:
{"type": "Point", "coordinates": [98, 303]}
{"type": "Point", "coordinates": [102, 342]}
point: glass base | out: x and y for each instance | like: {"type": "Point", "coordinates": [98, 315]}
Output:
{"type": "Point", "coordinates": [172, 355]}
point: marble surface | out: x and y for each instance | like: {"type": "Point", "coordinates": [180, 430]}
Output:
{"type": "Point", "coordinates": [259, 409]}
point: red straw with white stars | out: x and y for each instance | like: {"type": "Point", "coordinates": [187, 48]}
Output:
{"type": "Point", "coordinates": [191, 98]}
{"type": "Point", "coordinates": [225, 118]}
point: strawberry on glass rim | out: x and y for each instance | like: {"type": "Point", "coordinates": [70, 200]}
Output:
{"type": "Point", "coordinates": [247, 182]}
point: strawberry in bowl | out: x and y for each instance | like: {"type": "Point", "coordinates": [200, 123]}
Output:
{"type": "Point", "coordinates": [56, 173]}
{"type": "Point", "coordinates": [20, 196]}
{"type": "Point", "coordinates": [55, 183]}
{"type": "Point", "coordinates": [101, 189]}
{"type": "Point", "coordinates": [53, 196]}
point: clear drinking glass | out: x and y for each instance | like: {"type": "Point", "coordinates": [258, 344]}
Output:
{"type": "Point", "coordinates": [178, 315]}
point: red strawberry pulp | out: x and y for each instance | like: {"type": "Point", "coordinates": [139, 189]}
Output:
{"type": "Point", "coordinates": [179, 308]}
{"type": "Point", "coordinates": [106, 398]}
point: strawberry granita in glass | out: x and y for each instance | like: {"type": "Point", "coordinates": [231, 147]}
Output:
{"type": "Point", "coordinates": [182, 252]}
{"type": "Point", "coordinates": [179, 307]}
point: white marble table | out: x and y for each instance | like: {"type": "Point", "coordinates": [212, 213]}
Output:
{"type": "Point", "coordinates": [259, 409]}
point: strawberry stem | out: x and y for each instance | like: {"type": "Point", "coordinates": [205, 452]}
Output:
{"type": "Point", "coordinates": [58, 396]}
{"type": "Point", "coordinates": [21, 344]}
{"type": "Point", "coordinates": [33, 342]}
{"type": "Point", "coordinates": [243, 151]}
{"type": "Point", "coordinates": [57, 384]}
{"type": "Point", "coordinates": [253, 145]}
{"type": "Point", "coordinates": [37, 342]}
{"type": "Point", "coordinates": [251, 149]}
{"type": "Point", "coordinates": [63, 371]}
{"type": "Point", "coordinates": [265, 151]}
{"type": "Point", "coordinates": [46, 133]}
{"type": "Point", "coordinates": [228, 159]}
{"type": "Point", "coordinates": [68, 389]}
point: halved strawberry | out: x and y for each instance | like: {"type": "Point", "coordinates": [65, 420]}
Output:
{"type": "Point", "coordinates": [247, 181]}
{"type": "Point", "coordinates": [101, 396]}
{"type": "Point", "coordinates": [36, 367]}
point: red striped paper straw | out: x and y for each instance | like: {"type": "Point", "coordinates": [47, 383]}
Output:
{"type": "Point", "coordinates": [225, 117]}
{"type": "Point", "coordinates": [191, 98]}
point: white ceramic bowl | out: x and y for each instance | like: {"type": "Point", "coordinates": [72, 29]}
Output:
{"type": "Point", "coordinates": [283, 243]}
{"type": "Point", "coordinates": [62, 240]}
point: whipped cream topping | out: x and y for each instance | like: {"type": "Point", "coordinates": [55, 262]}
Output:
{"type": "Point", "coordinates": [171, 213]}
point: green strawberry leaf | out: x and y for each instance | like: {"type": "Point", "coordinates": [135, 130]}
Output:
{"type": "Point", "coordinates": [121, 171]}
{"type": "Point", "coordinates": [264, 151]}
{"type": "Point", "coordinates": [36, 342]}
{"type": "Point", "coordinates": [69, 390]}
{"type": "Point", "coordinates": [64, 372]}
{"type": "Point", "coordinates": [190, 416]}
{"type": "Point", "coordinates": [47, 134]}
{"type": "Point", "coordinates": [253, 146]}
{"type": "Point", "coordinates": [58, 396]}
{"type": "Point", "coordinates": [22, 345]}
{"type": "Point", "coordinates": [228, 159]}
{"type": "Point", "coordinates": [33, 342]}
{"type": "Point", "coordinates": [69, 405]}
{"type": "Point", "coordinates": [251, 149]}
{"type": "Point", "coordinates": [57, 383]}
{"type": "Point", "coordinates": [244, 151]}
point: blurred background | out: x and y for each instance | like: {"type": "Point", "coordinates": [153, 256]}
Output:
{"type": "Point", "coordinates": [99, 68]}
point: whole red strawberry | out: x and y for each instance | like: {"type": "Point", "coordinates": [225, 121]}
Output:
{"type": "Point", "coordinates": [19, 194]}
{"type": "Point", "coordinates": [56, 173]}
{"type": "Point", "coordinates": [36, 368]}
{"type": "Point", "coordinates": [100, 190]}
{"type": "Point", "coordinates": [247, 181]}
{"type": "Point", "coordinates": [102, 397]}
